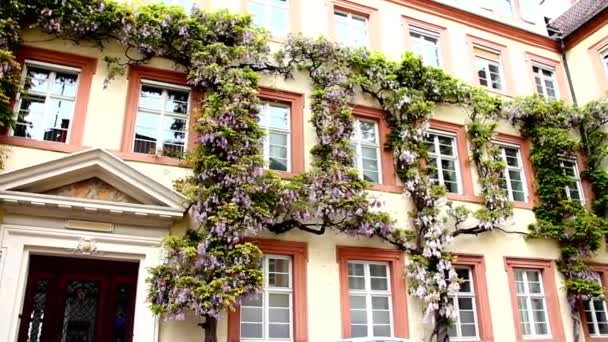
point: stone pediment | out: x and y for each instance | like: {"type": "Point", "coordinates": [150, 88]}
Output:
{"type": "Point", "coordinates": [93, 180]}
{"type": "Point", "coordinates": [94, 189]}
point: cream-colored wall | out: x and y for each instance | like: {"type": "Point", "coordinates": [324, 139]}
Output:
{"type": "Point", "coordinates": [589, 79]}
{"type": "Point", "coordinates": [104, 124]}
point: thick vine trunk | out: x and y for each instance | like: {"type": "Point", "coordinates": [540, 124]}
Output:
{"type": "Point", "coordinates": [209, 329]}
{"type": "Point", "coordinates": [440, 331]}
{"type": "Point", "coordinates": [576, 320]}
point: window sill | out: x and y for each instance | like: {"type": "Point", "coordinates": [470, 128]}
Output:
{"type": "Point", "coordinates": [152, 159]}
{"type": "Point", "coordinates": [503, 93]}
{"type": "Point", "coordinates": [387, 188]}
{"type": "Point", "coordinates": [464, 198]}
{"type": "Point", "coordinates": [522, 205]}
{"type": "Point", "coordinates": [40, 144]}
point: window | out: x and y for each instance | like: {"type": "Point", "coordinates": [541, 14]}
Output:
{"type": "Point", "coordinates": [443, 158]}
{"type": "Point", "coordinates": [370, 299]}
{"type": "Point", "coordinates": [162, 118]}
{"type": "Point", "coordinates": [351, 29]}
{"type": "Point", "coordinates": [514, 181]}
{"type": "Point", "coordinates": [187, 5]}
{"type": "Point", "coordinates": [502, 7]}
{"type": "Point", "coordinates": [426, 44]}
{"type": "Point", "coordinates": [45, 109]}
{"type": "Point", "coordinates": [596, 315]}
{"type": "Point", "coordinates": [531, 303]}
{"type": "Point", "coordinates": [546, 85]}
{"type": "Point", "coordinates": [488, 66]}
{"type": "Point", "coordinates": [465, 325]}
{"type": "Point", "coordinates": [272, 15]}
{"type": "Point", "coordinates": [274, 119]}
{"type": "Point", "coordinates": [268, 314]}
{"type": "Point", "coordinates": [573, 190]}
{"type": "Point", "coordinates": [604, 56]}
{"type": "Point", "coordinates": [366, 145]}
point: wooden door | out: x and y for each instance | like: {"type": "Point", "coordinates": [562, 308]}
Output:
{"type": "Point", "coordinates": [78, 300]}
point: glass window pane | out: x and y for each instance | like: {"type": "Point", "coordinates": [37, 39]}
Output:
{"type": "Point", "coordinates": [276, 300]}
{"type": "Point", "coordinates": [249, 330]}
{"type": "Point", "coordinates": [469, 330]}
{"type": "Point", "coordinates": [377, 270]}
{"type": "Point", "coordinates": [278, 139]}
{"type": "Point", "coordinates": [371, 176]}
{"type": "Point", "coordinates": [251, 314]}
{"type": "Point", "coordinates": [356, 269]}
{"type": "Point", "coordinates": [467, 316]}
{"type": "Point", "coordinates": [37, 80]}
{"type": "Point", "coordinates": [368, 132]}
{"type": "Point", "coordinates": [358, 330]}
{"type": "Point", "coordinates": [278, 330]}
{"type": "Point", "coordinates": [356, 283]}
{"type": "Point", "coordinates": [177, 102]}
{"type": "Point", "coordinates": [465, 303]}
{"type": "Point", "coordinates": [278, 315]}
{"type": "Point", "coordinates": [379, 284]}
{"type": "Point", "coordinates": [380, 303]}
{"type": "Point", "coordinates": [279, 117]}
{"type": "Point", "coordinates": [382, 330]}
{"type": "Point", "coordinates": [382, 317]}
{"type": "Point", "coordinates": [279, 21]}
{"type": "Point", "coordinates": [358, 316]}
{"type": "Point", "coordinates": [65, 84]}
{"type": "Point", "coordinates": [150, 97]}
{"type": "Point", "coordinates": [357, 302]}
{"type": "Point", "coordinates": [277, 164]}
{"type": "Point", "coordinates": [278, 280]}
{"type": "Point", "coordinates": [253, 300]}
{"type": "Point", "coordinates": [278, 265]}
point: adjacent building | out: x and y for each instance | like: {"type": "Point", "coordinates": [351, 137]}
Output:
{"type": "Point", "coordinates": [87, 190]}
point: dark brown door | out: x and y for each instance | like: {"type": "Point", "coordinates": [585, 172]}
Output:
{"type": "Point", "coordinates": [78, 300]}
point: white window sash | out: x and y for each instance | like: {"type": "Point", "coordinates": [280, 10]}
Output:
{"type": "Point", "coordinates": [577, 179]}
{"type": "Point", "coordinates": [472, 295]}
{"type": "Point", "coordinates": [271, 7]}
{"type": "Point", "coordinates": [359, 144]}
{"type": "Point", "coordinates": [520, 170]}
{"type": "Point", "coordinates": [165, 87]}
{"type": "Point", "coordinates": [604, 57]}
{"type": "Point", "coordinates": [369, 293]}
{"type": "Point", "coordinates": [53, 69]}
{"type": "Point", "coordinates": [349, 19]}
{"type": "Point", "coordinates": [425, 43]}
{"type": "Point", "coordinates": [595, 322]}
{"type": "Point", "coordinates": [543, 78]}
{"type": "Point", "coordinates": [439, 157]}
{"type": "Point", "coordinates": [266, 127]}
{"type": "Point", "coordinates": [484, 63]}
{"type": "Point", "coordinates": [528, 296]}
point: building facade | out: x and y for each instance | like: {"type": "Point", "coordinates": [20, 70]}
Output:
{"type": "Point", "coordinates": [87, 199]}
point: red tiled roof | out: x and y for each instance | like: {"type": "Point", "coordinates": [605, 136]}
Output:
{"type": "Point", "coordinates": [577, 15]}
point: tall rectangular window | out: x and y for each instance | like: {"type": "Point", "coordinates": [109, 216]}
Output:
{"type": "Point", "coordinates": [604, 56]}
{"type": "Point", "coordinates": [275, 120]}
{"type": "Point", "coordinates": [546, 85]}
{"type": "Point", "coordinates": [514, 180]}
{"type": "Point", "coordinates": [574, 189]}
{"type": "Point", "coordinates": [268, 314]}
{"type": "Point", "coordinates": [272, 15]}
{"type": "Point", "coordinates": [531, 303]}
{"type": "Point", "coordinates": [489, 70]}
{"type": "Point", "coordinates": [443, 159]}
{"type": "Point", "coordinates": [162, 119]}
{"type": "Point", "coordinates": [370, 299]}
{"type": "Point", "coordinates": [596, 315]}
{"type": "Point", "coordinates": [426, 44]}
{"type": "Point", "coordinates": [45, 109]}
{"type": "Point", "coordinates": [465, 326]}
{"type": "Point", "coordinates": [351, 29]}
{"type": "Point", "coordinates": [366, 145]}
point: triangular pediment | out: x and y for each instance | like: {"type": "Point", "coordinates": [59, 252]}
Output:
{"type": "Point", "coordinates": [91, 176]}
{"type": "Point", "coordinates": [93, 189]}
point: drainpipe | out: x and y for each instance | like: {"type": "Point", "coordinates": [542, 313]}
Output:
{"type": "Point", "coordinates": [562, 46]}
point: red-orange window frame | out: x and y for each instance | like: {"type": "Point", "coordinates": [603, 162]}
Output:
{"type": "Point", "coordinates": [464, 163]}
{"type": "Point", "coordinates": [482, 303]}
{"type": "Point", "coordinates": [371, 13]}
{"type": "Point", "coordinates": [602, 270]}
{"type": "Point", "coordinates": [87, 66]}
{"type": "Point", "coordinates": [524, 152]}
{"type": "Point", "coordinates": [389, 177]}
{"type": "Point", "coordinates": [136, 74]}
{"type": "Point", "coordinates": [298, 251]}
{"type": "Point", "coordinates": [547, 270]}
{"type": "Point", "coordinates": [399, 299]}
{"type": "Point", "coordinates": [295, 102]}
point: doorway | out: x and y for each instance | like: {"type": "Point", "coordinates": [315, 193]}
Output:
{"type": "Point", "coordinates": [78, 300]}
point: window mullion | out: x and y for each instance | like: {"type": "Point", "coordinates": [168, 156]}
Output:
{"type": "Point", "coordinates": [438, 162]}
{"type": "Point", "coordinates": [163, 104]}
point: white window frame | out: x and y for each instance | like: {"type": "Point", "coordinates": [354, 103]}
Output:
{"type": "Point", "coordinates": [426, 33]}
{"type": "Point", "coordinates": [369, 293]}
{"type": "Point", "coordinates": [485, 63]}
{"type": "Point", "coordinates": [53, 70]}
{"type": "Point", "coordinates": [522, 173]}
{"type": "Point", "coordinates": [266, 127]}
{"type": "Point", "coordinates": [265, 291]}
{"type": "Point", "coordinates": [543, 78]}
{"type": "Point", "coordinates": [528, 296]}
{"type": "Point", "coordinates": [349, 18]}
{"type": "Point", "coordinates": [437, 155]}
{"type": "Point", "coordinates": [593, 312]}
{"type": "Point", "coordinates": [269, 9]}
{"type": "Point", "coordinates": [165, 87]}
{"type": "Point", "coordinates": [604, 59]}
{"type": "Point", "coordinates": [358, 158]}
{"type": "Point", "coordinates": [577, 178]}
{"type": "Point", "coordinates": [473, 295]}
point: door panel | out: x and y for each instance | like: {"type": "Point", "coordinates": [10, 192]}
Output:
{"type": "Point", "coordinates": [79, 300]}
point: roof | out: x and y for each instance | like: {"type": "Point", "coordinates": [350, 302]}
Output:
{"type": "Point", "coordinates": [577, 15]}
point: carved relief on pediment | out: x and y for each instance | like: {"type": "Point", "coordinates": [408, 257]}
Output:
{"type": "Point", "coordinates": [93, 188]}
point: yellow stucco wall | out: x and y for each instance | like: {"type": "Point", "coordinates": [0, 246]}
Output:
{"type": "Point", "coordinates": [588, 76]}
{"type": "Point", "coordinates": [104, 123]}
